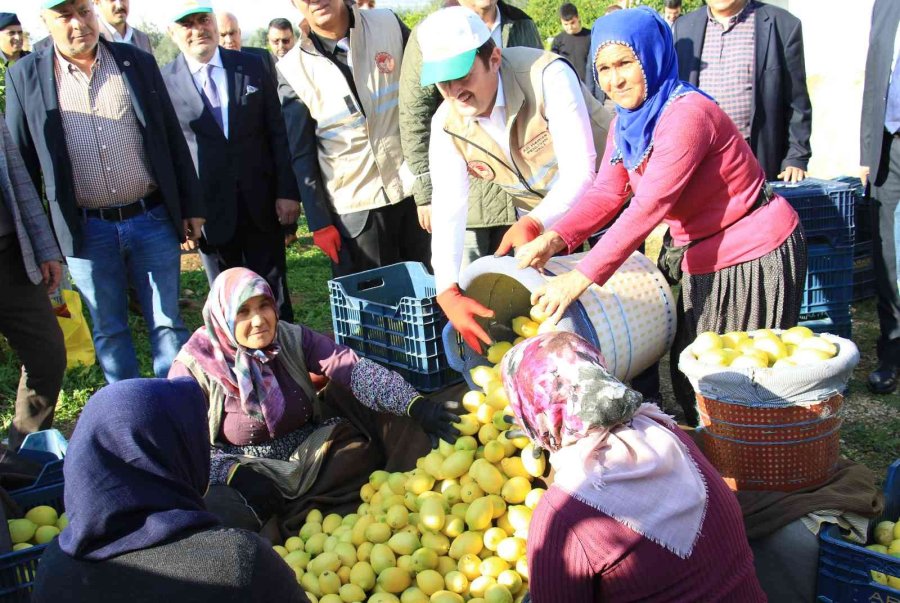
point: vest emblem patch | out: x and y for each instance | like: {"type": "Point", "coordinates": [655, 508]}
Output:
{"type": "Point", "coordinates": [536, 144]}
{"type": "Point", "coordinates": [480, 169]}
{"type": "Point", "coordinates": [385, 62]}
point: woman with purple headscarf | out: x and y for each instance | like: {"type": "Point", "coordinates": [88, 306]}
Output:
{"type": "Point", "coordinates": [635, 512]}
{"type": "Point", "coordinates": [681, 161]}
{"type": "Point", "coordinates": [272, 440]}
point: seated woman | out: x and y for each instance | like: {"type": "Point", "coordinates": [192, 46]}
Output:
{"type": "Point", "coordinates": [682, 161]}
{"type": "Point", "coordinates": [136, 470]}
{"type": "Point", "coordinates": [635, 512]}
{"type": "Point", "coordinates": [270, 447]}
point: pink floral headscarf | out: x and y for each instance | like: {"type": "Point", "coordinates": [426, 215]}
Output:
{"type": "Point", "coordinates": [244, 373]}
{"type": "Point", "coordinates": [610, 451]}
{"type": "Point", "coordinates": [558, 386]}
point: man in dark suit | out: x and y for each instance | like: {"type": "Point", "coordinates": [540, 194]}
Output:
{"type": "Point", "coordinates": [12, 40]}
{"type": "Point", "coordinates": [749, 57]}
{"type": "Point", "coordinates": [114, 25]}
{"type": "Point", "coordinates": [95, 125]}
{"type": "Point", "coordinates": [880, 158]}
{"type": "Point", "coordinates": [230, 115]}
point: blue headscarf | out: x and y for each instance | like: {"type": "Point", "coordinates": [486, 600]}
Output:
{"type": "Point", "coordinates": [137, 468]}
{"type": "Point", "coordinates": [649, 36]}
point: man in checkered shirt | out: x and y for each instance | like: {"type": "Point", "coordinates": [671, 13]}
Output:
{"type": "Point", "coordinates": [749, 57]}
{"type": "Point", "coordinates": [95, 124]}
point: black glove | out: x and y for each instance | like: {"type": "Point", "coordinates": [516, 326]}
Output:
{"type": "Point", "coordinates": [518, 432]}
{"type": "Point", "coordinates": [436, 419]}
{"type": "Point", "coordinates": [259, 491]}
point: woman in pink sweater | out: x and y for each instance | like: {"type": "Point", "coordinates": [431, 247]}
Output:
{"type": "Point", "coordinates": [635, 512]}
{"type": "Point", "coordinates": [681, 161]}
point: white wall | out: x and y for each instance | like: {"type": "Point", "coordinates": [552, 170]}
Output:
{"type": "Point", "coordinates": [835, 37]}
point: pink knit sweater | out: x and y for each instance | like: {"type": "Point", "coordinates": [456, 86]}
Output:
{"type": "Point", "coordinates": [700, 178]}
{"type": "Point", "coordinates": [576, 554]}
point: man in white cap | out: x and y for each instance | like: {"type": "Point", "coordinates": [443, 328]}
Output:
{"type": "Point", "coordinates": [519, 119]}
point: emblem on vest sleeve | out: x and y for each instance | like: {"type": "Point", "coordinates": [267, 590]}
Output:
{"type": "Point", "coordinates": [480, 169]}
{"type": "Point", "coordinates": [385, 62]}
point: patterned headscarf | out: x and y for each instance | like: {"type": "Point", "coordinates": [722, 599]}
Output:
{"type": "Point", "coordinates": [650, 38]}
{"type": "Point", "coordinates": [558, 385]}
{"type": "Point", "coordinates": [244, 373]}
{"type": "Point", "coordinates": [610, 451]}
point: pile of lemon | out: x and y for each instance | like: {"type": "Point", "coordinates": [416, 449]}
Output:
{"type": "Point", "coordinates": [39, 526]}
{"type": "Point", "coordinates": [764, 348]}
{"type": "Point", "coordinates": [887, 542]}
{"type": "Point", "coordinates": [451, 530]}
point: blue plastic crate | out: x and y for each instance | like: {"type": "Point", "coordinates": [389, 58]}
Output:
{"type": "Point", "coordinates": [845, 568]}
{"type": "Point", "coordinates": [826, 208]}
{"type": "Point", "coordinates": [863, 271]}
{"type": "Point", "coordinates": [18, 569]}
{"type": "Point", "coordinates": [390, 315]}
{"type": "Point", "coordinates": [836, 323]}
{"type": "Point", "coordinates": [49, 448]}
{"type": "Point", "coordinates": [829, 278]}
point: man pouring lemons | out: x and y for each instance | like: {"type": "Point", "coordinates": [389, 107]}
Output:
{"type": "Point", "coordinates": [519, 118]}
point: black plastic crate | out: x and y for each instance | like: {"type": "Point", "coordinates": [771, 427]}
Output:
{"type": "Point", "coordinates": [390, 315]}
{"type": "Point", "coordinates": [845, 567]}
{"type": "Point", "coordinates": [826, 208]}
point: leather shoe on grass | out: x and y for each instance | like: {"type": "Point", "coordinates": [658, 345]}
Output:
{"type": "Point", "coordinates": [883, 380]}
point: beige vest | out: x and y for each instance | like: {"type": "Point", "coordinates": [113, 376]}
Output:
{"type": "Point", "coordinates": [534, 168]}
{"type": "Point", "coordinates": [359, 147]}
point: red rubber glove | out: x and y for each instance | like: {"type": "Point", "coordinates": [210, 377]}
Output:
{"type": "Point", "coordinates": [328, 239]}
{"type": "Point", "coordinates": [525, 230]}
{"type": "Point", "coordinates": [461, 312]}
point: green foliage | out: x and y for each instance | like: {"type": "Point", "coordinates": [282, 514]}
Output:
{"type": "Point", "coordinates": [412, 16]}
{"type": "Point", "coordinates": [164, 49]}
{"type": "Point", "coordinates": [258, 38]}
{"type": "Point", "coordinates": [545, 13]}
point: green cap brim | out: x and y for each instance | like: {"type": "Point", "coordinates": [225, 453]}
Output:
{"type": "Point", "coordinates": [448, 69]}
{"type": "Point", "coordinates": [52, 3]}
{"type": "Point", "coordinates": [191, 11]}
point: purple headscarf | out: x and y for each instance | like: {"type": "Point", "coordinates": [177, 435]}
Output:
{"type": "Point", "coordinates": [244, 373]}
{"type": "Point", "coordinates": [137, 468]}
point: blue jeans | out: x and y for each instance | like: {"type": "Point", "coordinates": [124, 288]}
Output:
{"type": "Point", "coordinates": [144, 251]}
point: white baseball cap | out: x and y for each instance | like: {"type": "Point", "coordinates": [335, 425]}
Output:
{"type": "Point", "coordinates": [449, 39]}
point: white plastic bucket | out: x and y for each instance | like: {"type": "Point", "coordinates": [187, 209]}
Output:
{"type": "Point", "coordinates": [631, 318]}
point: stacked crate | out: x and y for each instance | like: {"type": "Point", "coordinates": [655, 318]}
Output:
{"type": "Point", "coordinates": [827, 212]}
{"type": "Point", "coordinates": [863, 268]}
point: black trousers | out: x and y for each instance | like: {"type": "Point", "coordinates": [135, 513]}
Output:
{"type": "Point", "coordinates": [886, 194]}
{"type": "Point", "coordinates": [257, 250]}
{"type": "Point", "coordinates": [29, 325]}
{"type": "Point", "coordinates": [392, 234]}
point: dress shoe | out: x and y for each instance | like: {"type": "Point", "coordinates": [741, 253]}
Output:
{"type": "Point", "coordinates": [883, 380]}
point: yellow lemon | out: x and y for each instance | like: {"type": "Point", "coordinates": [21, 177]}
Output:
{"type": "Point", "coordinates": [511, 549]}
{"type": "Point", "coordinates": [705, 342]}
{"type": "Point", "coordinates": [534, 497]}
{"type": "Point", "coordinates": [469, 565]}
{"type": "Point", "coordinates": [496, 352]}
{"type": "Point", "coordinates": [394, 580]}
{"type": "Point", "coordinates": [472, 400]}
{"type": "Point", "coordinates": [795, 335]}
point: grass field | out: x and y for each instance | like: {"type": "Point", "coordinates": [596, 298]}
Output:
{"type": "Point", "coordinates": [871, 431]}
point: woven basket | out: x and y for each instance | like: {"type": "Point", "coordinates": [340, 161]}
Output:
{"type": "Point", "coordinates": [783, 449]}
